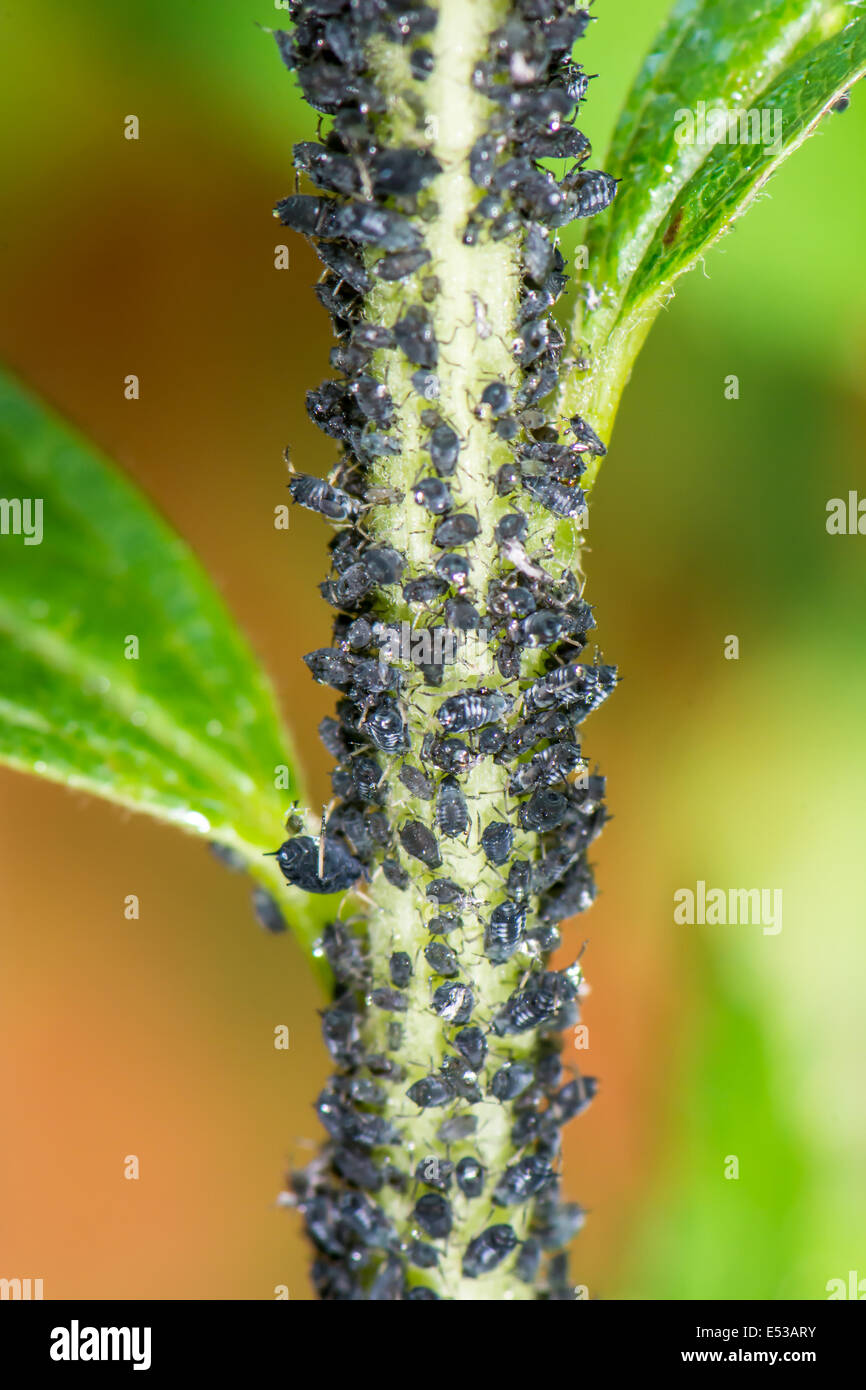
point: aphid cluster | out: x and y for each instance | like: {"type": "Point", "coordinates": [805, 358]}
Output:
{"type": "Point", "coordinates": [407, 740]}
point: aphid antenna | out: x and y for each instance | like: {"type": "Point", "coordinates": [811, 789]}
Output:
{"type": "Point", "coordinates": [364, 175]}
{"type": "Point", "coordinates": [447, 360]}
{"type": "Point", "coordinates": [344, 902]}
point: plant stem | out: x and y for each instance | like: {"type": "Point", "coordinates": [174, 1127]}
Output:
{"type": "Point", "coordinates": [477, 295]}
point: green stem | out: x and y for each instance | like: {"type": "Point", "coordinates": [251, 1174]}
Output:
{"type": "Point", "coordinates": [481, 279]}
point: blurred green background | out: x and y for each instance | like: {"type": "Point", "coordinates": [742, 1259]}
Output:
{"type": "Point", "coordinates": [155, 1037]}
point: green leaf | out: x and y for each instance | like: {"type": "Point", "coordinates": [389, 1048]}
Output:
{"type": "Point", "coordinates": [123, 674]}
{"type": "Point", "coordinates": [732, 176]}
{"type": "Point", "coordinates": [790, 59]}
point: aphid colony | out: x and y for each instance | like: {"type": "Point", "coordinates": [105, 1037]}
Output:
{"type": "Point", "coordinates": [402, 793]}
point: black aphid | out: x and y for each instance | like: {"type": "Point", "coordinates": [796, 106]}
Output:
{"type": "Point", "coordinates": [373, 226]}
{"type": "Point", "coordinates": [383, 725]}
{"type": "Point", "coordinates": [472, 1046]}
{"type": "Point", "coordinates": [444, 890]}
{"type": "Point", "coordinates": [491, 740]}
{"type": "Point", "coordinates": [268, 912]}
{"type": "Point", "coordinates": [470, 1176]}
{"type": "Point", "coordinates": [571, 687]}
{"type": "Point", "coordinates": [513, 526]}
{"type": "Point", "coordinates": [358, 1169]}
{"type": "Point", "coordinates": [317, 495]}
{"type": "Point", "coordinates": [559, 1225]}
{"type": "Point", "coordinates": [346, 958]}
{"type": "Point", "coordinates": [366, 778]}
{"type": "Point", "coordinates": [422, 1255]}
{"type": "Point", "coordinates": [432, 1212]}
{"type": "Point", "coordinates": [366, 1092]}
{"type": "Point", "coordinates": [453, 1003]}
{"type": "Point", "coordinates": [403, 171]}
{"type": "Point", "coordinates": [231, 858]}
{"type": "Point", "coordinates": [373, 336]}
{"type": "Point", "coordinates": [452, 813]}
{"type": "Point", "coordinates": [332, 737]}
{"type": "Point", "coordinates": [585, 434]}
{"type": "Point", "coordinates": [574, 1098]}
{"type": "Point", "coordinates": [431, 1091]}
{"type": "Point", "coordinates": [504, 932]}
{"type": "Point", "coordinates": [436, 1172]}
{"type": "Point", "coordinates": [458, 529]}
{"type": "Point", "coordinates": [444, 448]}
{"type": "Point", "coordinates": [305, 214]}
{"type": "Point", "coordinates": [511, 1080]}
{"type": "Point", "coordinates": [400, 969]}
{"type": "Point", "coordinates": [593, 192]}
{"type": "Point", "coordinates": [414, 334]}
{"type": "Point", "coordinates": [460, 1127]}
{"type": "Point", "coordinates": [388, 1284]}
{"type": "Point", "coordinates": [330, 666]}
{"type": "Point", "coordinates": [391, 1000]}
{"type": "Point", "coordinates": [549, 1070]}
{"type": "Point", "coordinates": [523, 1180]}
{"type": "Point", "coordinates": [443, 923]}
{"type": "Point", "coordinates": [420, 843]}
{"type": "Point", "coordinates": [352, 585]}
{"type": "Point", "coordinates": [519, 880]}
{"type": "Point", "coordinates": [433, 494]}
{"type": "Point", "coordinates": [551, 765]}
{"type": "Point", "coordinates": [449, 754]}
{"type": "Point", "coordinates": [546, 810]}
{"type": "Point", "coordinates": [462, 616]}
{"type": "Point", "coordinates": [315, 868]}
{"type": "Point", "coordinates": [395, 873]}
{"type": "Point", "coordinates": [426, 588]}
{"type": "Point", "coordinates": [401, 265]}
{"type": "Point", "coordinates": [472, 710]}
{"type": "Point", "coordinates": [414, 781]}
{"type": "Point", "coordinates": [359, 634]}
{"type": "Point", "coordinates": [441, 959]}
{"type": "Point", "coordinates": [487, 1251]}
{"type": "Point", "coordinates": [557, 497]}
{"type": "Point", "coordinates": [497, 841]}
{"type": "Point", "coordinates": [537, 1004]}
{"type": "Point", "coordinates": [527, 1262]}
{"type": "Point", "coordinates": [384, 563]}
{"type": "Point", "coordinates": [453, 569]}
{"type": "Point", "coordinates": [347, 267]}
{"type": "Point", "coordinates": [372, 399]}
{"type": "Point", "coordinates": [426, 383]}
{"type": "Point", "coordinates": [497, 397]}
